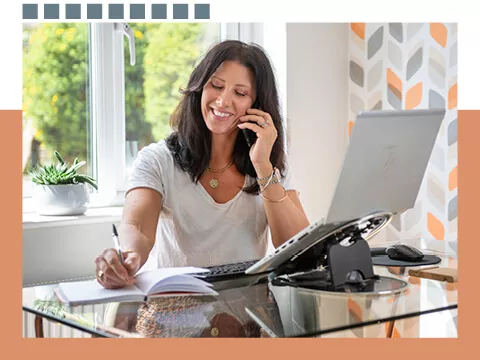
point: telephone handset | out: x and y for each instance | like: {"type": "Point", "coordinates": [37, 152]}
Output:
{"type": "Point", "coordinates": [250, 136]}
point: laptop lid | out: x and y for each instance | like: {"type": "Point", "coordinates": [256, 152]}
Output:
{"type": "Point", "coordinates": [385, 162]}
{"type": "Point", "coordinates": [382, 173]}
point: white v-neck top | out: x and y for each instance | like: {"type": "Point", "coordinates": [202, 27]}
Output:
{"type": "Point", "coordinates": [193, 229]}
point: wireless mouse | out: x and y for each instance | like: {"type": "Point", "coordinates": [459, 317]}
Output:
{"type": "Point", "coordinates": [404, 252]}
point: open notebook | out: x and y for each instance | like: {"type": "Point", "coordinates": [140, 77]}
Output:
{"type": "Point", "coordinates": [158, 282]}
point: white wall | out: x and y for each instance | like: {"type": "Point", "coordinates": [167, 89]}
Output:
{"type": "Point", "coordinates": [55, 253]}
{"type": "Point", "coordinates": [317, 110]}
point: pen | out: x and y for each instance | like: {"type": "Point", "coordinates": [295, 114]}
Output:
{"type": "Point", "coordinates": [117, 244]}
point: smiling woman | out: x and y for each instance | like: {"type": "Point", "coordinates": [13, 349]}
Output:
{"type": "Point", "coordinates": [202, 196]}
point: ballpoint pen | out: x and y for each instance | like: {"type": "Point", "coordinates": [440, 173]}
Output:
{"type": "Point", "coordinates": [117, 244]}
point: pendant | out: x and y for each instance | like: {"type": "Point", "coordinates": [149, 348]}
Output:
{"type": "Point", "coordinates": [213, 183]}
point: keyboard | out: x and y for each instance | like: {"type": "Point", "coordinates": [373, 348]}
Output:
{"type": "Point", "coordinates": [228, 271]}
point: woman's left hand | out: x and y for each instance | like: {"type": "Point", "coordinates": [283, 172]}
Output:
{"type": "Point", "coordinates": [266, 135]}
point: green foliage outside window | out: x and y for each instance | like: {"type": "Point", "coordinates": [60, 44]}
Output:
{"type": "Point", "coordinates": [56, 81]}
{"type": "Point", "coordinates": [55, 87]}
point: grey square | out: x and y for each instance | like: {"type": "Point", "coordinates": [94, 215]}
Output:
{"type": "Point", "coordinates": [202, 11]}
{"type": "Point", "coordinates": [30, 11]}
{"type": "Point", "coordinates": [51, 11]}
{"type": "Point", "coordinates": [115, 11]}
{"type": "Point", "coordinates": [73, 11]}
{"type": "Point", "coordinates": [159, 11]}
{"type": "Point", "coordinates": [94, 11]}
{"type": "Point", "coordinates": [137, 11]}
{"type": "Point", "coordinates": [180, 11]}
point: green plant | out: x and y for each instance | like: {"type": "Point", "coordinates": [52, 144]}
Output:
{"type": "Point", "coordinates": [61, 173]}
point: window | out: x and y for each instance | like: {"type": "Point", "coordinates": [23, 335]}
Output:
{"type": "Point", "coordinates": [55, 95]}
{"type": "Point", "coordinates": [82, 97]}
{"type": "Point", "coordinates": [165, 56]}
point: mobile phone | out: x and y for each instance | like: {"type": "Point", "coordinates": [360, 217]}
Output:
{"type": "Point", "coordinates": [249, 135]}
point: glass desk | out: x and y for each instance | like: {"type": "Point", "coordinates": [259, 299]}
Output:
{"type": "Point", "coordinates": [250, 307]}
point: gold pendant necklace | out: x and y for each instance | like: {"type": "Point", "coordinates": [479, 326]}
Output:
{"type": "Point", "coordinates": [214, 182]}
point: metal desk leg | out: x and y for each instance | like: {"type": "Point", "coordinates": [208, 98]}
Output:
{"type": "Point", "coordinates": [391, 326]}
{"type": "Point", "coordinates": [38, 326]}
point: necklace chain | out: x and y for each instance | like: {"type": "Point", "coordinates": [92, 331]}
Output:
{"type": "Point", "coordinates": [220, 170]}
{"type": "Point", "coordinates": [214, 182]}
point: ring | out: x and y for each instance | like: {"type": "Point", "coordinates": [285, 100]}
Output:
{"type": "Point", "coordinates": [264, 124]}
{"type": "Point", "coordinates": [100, 275]}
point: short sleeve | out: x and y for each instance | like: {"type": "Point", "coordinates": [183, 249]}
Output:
{"type": "Point", "coordinates": [147, 169]}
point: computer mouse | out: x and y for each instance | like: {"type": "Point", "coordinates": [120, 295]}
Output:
{"type": "Point", "coordinates": [404, 252]}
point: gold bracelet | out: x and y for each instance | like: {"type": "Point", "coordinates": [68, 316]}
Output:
{"type": "Point", "coordinates": [276, 201]}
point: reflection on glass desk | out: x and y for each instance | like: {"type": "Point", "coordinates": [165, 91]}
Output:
{"type": "Point", "coordinates": [172, 316]}
{"type": "Point", "coordinates": [250, 307]}
{"type": "Point", "coordinates": [299, 312]}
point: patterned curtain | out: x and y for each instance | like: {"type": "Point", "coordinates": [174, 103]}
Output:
{"type": "Point", "coordinates": [408, 66]}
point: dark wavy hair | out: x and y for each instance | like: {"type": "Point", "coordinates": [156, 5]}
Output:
{"type": "Point", "coordinates": [191, 139]}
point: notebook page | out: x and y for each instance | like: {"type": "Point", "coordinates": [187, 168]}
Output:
{"type": "Point", "coordinates": [146, 280]}
{"type": "Point", "coordinates": [181, 283]}
{"type": "Point", "coordinates": [91, 290]}
{"type": "Point", "coordinates": [188, 289]}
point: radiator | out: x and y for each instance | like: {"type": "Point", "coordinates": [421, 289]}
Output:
{"type": "Point", "coordinates": [52, 329]}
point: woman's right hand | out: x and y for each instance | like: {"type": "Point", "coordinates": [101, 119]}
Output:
{"type": "Point", "coordinates": [111, 274]}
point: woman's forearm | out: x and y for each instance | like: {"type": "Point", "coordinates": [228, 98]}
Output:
{"type": "Point", "coordinates": [285, 218]}
{"type": "Point", "coordinates": [131, 238]}
{"type": "Point", "coordinates": [285, 214]}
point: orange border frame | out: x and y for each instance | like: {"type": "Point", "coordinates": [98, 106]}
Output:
{"type": "Point", "coordinates": [11, 329]}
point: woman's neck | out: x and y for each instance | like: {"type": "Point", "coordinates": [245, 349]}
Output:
{"type": "Point", "coordinates": [221, 152]}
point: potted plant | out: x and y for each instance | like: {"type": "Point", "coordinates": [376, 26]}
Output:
{"type": "Point", "coordinates": [60, 189]}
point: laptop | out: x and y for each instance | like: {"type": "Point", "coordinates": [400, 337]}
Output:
{"type": "Point", "coordinates": [382, 172]}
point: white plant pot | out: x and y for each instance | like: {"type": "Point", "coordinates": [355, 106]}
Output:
{"type": "Point", "coordinates": [67, 199]}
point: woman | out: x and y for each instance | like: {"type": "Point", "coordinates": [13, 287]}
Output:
{"type": "Point", "coordinates": [202, 196]}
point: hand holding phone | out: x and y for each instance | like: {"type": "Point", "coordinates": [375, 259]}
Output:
{"type": "Point", "coordinates": [249, 135]}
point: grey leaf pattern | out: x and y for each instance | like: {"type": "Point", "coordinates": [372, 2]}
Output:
{"type": "Point", "coordinates": [393, 99]}
{"type": "Point", "coordinates": [436, 68]}
{"type": "Point", "coordinates": [375, 75]}
{"type": "Point", "coordinates": [435, 100]}
{"type": "Point", "coordinates": [377, 106]}
{"type": "Point", "coordinates": [436, 193]}
{"type": "Point", "coordinates": [375, 42]}
{"type": "Point", "coordinates": [414, 63]}
{"type": "Point", "coordinates": [356, 73]}
{"type": "Point", "coordinates": [437, 158]}
{"type": "Point", "coordinates": [395, 55]}
{"type": "Point", "coordinates": [453, 208]}
{"type": "Point", "coordinates": [396, 30]}
{"type": "Point", "coordinates": [413, 29]}
{"type": "Point", "coordinates": [453, 55]}
{"type": "Point", "coordinates": [375, 102]}
{"type": "Point", "coordinates": [424, 73]}
{"type": "Point", "coordinates": [452, 132]}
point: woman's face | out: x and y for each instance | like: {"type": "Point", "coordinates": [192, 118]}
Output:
{"type": "Point", "coordinates": [226, 96]}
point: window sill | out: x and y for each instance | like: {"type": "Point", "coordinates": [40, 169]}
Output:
{"type": "Point", "coordinates": [91, 216]}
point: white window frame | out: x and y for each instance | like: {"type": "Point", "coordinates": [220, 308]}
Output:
{"type": "Point", "coordinates": [108, 113]}
{"type": "Point", "coordinates": [108, 106]}
{"type": "Point", "coordinates": [109, 66]}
